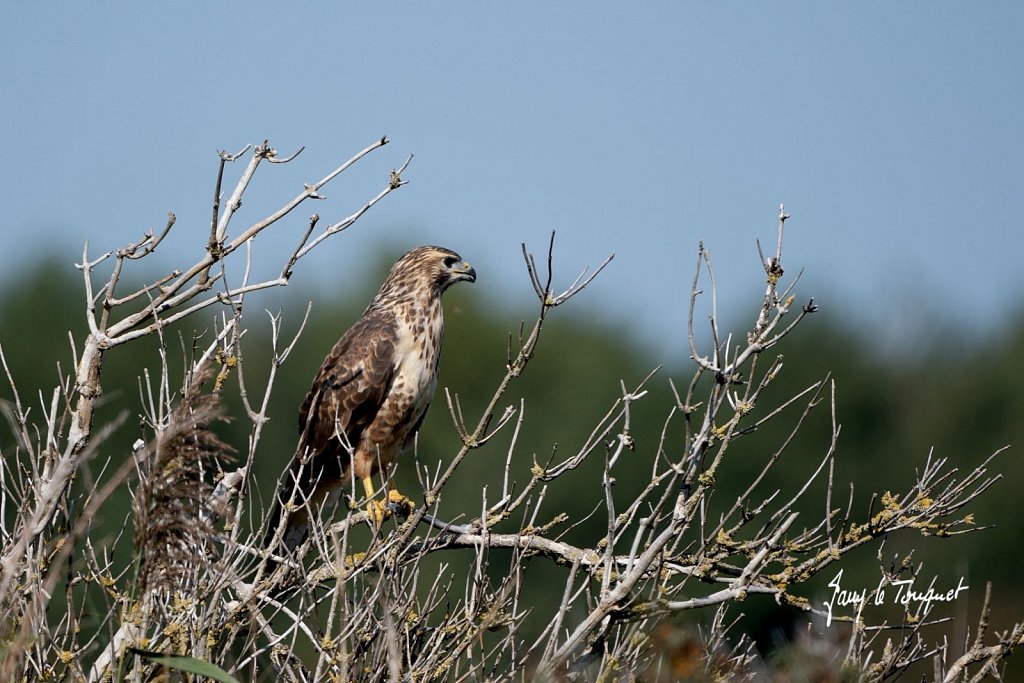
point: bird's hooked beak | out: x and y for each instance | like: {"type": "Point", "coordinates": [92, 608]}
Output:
{"type": "Point", "coordinates": [464, 271]}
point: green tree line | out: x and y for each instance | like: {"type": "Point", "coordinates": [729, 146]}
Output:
{"type": "Point", "coordinates": [964, 404]}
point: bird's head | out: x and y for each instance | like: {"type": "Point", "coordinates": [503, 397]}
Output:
{"type": "Point", "coordinates": [429, 269]}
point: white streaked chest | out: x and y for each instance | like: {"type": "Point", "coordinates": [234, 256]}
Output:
{"type": "Point", "coordinates": [418, 352]}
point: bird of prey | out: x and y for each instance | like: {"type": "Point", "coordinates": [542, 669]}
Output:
{"type": "Point", "coordinates": [371, 393]}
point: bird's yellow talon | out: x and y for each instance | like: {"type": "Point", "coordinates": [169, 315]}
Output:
{"type": "Point", "coordinates": [404, 504]}
{"type": "Point", "coordinates": [378, 512]}
{"type": "Point", "coordinates": [395, 503]}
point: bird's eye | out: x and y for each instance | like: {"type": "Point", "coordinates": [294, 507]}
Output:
{"type": "Point", "coordinates": [450, 261]}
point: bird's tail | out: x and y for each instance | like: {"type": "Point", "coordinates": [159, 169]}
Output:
{"type": "Point", "coordinates": [296, 529]}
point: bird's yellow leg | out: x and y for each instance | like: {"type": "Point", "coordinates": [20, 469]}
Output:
{"type": "Point", "coordinates": [381, 510]}
{"type": "Point", "coordinates": [378, 511]}
{"type": "Point", "coordinates": [368, 487]}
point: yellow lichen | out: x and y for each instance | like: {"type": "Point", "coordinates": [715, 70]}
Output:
{"type": "Point", "coordinates": [227, 363]}
{"type": "Point", "coordinates": [182, 602]}
{"type": "Point", "coordinates": [797, 601]}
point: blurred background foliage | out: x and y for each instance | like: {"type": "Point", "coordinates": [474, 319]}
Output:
{"type": "Point", "coordinates": [962, 402]}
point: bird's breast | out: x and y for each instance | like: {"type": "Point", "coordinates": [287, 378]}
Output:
{"type": "Point", "coordinates": [417, 353]}
{"type": "Point", "coordinates": [418, 350]}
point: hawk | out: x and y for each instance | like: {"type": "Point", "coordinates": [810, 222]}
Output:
{"type": "Point", "coordinates": [371, 393]}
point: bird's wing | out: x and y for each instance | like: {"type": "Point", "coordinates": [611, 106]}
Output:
{"type": "Point", "coordinates": [348, 391]}
{"type": "Point", "coordinates": [345, 397]}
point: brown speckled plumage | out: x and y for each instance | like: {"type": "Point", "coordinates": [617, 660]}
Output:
{"type": "Point", "coordinates": [372, 391]}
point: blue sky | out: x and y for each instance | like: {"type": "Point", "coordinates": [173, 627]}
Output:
{"type": "Point", "coordinates": [892, 131]}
